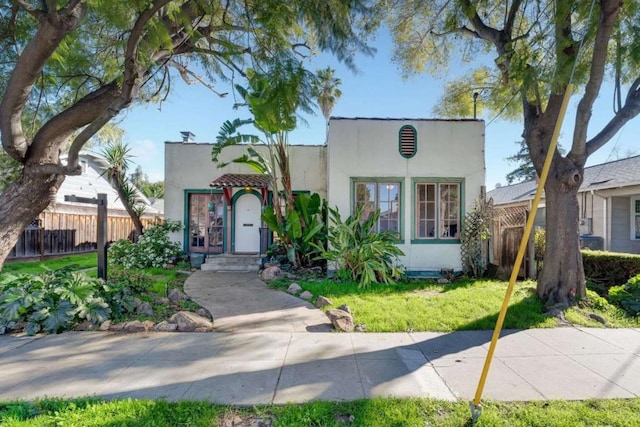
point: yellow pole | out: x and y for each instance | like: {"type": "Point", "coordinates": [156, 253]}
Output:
{"type": "Point", "coordinates": [476, 409]}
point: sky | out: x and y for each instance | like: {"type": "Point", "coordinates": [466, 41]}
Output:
{"type": "Point", "coordinates": [377, 90]}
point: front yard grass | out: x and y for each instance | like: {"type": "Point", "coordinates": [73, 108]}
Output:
{"type": "Point", "coordinates": [79, 262]}
{"type": "Point", "coordinates": [463, 305]}
{"type": "Point", "coordinates": [373, 412]}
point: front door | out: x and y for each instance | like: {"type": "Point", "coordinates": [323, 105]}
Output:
{"type": "Point", "coordinates": [247, 224]}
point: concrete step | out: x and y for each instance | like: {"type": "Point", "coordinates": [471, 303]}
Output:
{"type": "Point", "coordinates": [231, 262]}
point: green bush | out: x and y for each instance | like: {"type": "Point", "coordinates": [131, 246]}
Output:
{"type": "Point", "coordinates": [627, 296]}
{"type": "Point", "coordinates": [154, 249]}
{"type": "Point", "coordinates": [137, 281]}
{"type": "Point", "coordinates": [610, 268]}
{"type": "Point", "coordinates": [361, 254]}
{"type": "Point", "coordinates": [51, 302]}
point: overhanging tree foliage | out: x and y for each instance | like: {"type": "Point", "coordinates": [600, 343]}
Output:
{"type": "Point", "coordinates": [69, 66]}
{"type": "Point", "coordinates": [539, 48]}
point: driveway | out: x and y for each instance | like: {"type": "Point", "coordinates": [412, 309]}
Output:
{"type": "Point", "coordinates": [241, 302]}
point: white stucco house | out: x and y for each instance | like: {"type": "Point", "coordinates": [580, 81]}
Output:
{"type": "Point", "coordinates": [423, 175]}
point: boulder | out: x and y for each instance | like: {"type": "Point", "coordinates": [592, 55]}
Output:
{"type": "Point", "coordinates": [191, 322]}
{"type": "Point", "coordinates": [85, 326]}
{"type": "Point", "coordinates": [345, 307]}
{"type": "Point", "coordinates": [361, 328]}
{"type": "Point", "coordinates": [306, 295]}
{"type": "Point", "coordinates": [104, 326]}
{"type": "Point", "coordinates": [341, 320]}
{"type": "Point", "coordinates": [293, 289]}
{"type": "Point", "coordinates": [134, 326]}
{"type": "Point", "coordinates": [176, 295]}
{"type": "Point", "coordinates": [144, 308]}
{"type": "Point", "coordinates": [270, 274]}
{"type": "Point", "coordinates": [323, 302]}
{"type": "Point", "coordinates": [204, 313]}
{"type": "Point", "coordinates": [165, 326]}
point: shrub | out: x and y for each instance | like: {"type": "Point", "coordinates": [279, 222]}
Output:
{"type": "Point", "coordinates": [52, 301]}
{"type": "Point", "coordinates": [627, 296]}
{"type": "Point", "coordinates": [473, 237]}
{"type": "Point", "coordinates": [360, 253]}
{"type": "Point", "coordinates": [539, 247]}
{"type": "Point", "coordinates": [153, 249]}
{"type": "Point", "coordinates": [610, 268]}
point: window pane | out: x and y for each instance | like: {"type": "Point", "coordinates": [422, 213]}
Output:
{"type": "Point", "coordinates": [388, 203]}
{"type": "Point", "coordinates": [365, 197]}
{"type": "Point", "coordinates": [449, 211]}
{"type": "Point", "coordinates": [425, 207]}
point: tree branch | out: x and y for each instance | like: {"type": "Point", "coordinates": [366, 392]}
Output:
{"type": "Point", "coordinates": [35, 12]}
{"type": "Point", "coordinates": [608, 15]}
{"type": "Point", "coordinates": [26, 71]}
{"type": "Point", "coordinates": [630, 110]}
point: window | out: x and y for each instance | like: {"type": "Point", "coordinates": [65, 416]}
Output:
{"type": "Point", "coordinates": [408, 141]}
{"type": "Point", "coordinates": [384, 196]}
{"type": "Point", "coordinates": [635, 218]}
{"type": "Point", "coordinates": [438, 210]}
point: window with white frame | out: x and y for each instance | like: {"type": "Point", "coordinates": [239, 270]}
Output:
{"type": "Point", "coordinates": [438, 210]}
{"type": "Point", "coordinates": [635, 218]}
{"type": "Point", "coordinates": [384, 196]}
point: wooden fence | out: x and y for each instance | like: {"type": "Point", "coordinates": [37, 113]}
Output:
{"type": "Point", "coordinates": [508, 229]}
{"type": "Point", "coordinates": [64, 233]}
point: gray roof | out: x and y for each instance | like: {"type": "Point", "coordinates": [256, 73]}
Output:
{"type": "Point", "coordinates": [619, 173]}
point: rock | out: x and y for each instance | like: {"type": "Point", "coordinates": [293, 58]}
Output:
{"type": "Point", "coordinates": [134, 326]}
{"type": "Point", "coordinates": [85, 326]}
{"type": "Point", "coordinates": [169, 266]}
{"type": "Point", "coordinates": [204, 313]}
{"type": "Point", "coordinates": [345, 307]}
{"type": "Point", "coordinates": [294, 288]}
{"type": "Point", "coordinates": [271, 264]}
{"type": "Point", "coordinates": [290, 276]}
{"type": "Point", "coordinates": [116, 327]}
{"type": "Point", "coordinates": [361, 328]}
{"type": "Point", "coordinates": [443, 281]}
{"type": "Point", "coordinates": [137, 301]}
{"type": "Point", "coordinates": [191, 322]}
{"type": "Point", "coordinates": [323, 302]}
{"type": "Point", "coordinates": [270, 274]}
{"type": "Point", "coordinates": [104, 326]}
{"type": "Point", "coordinates": [176, 295]}
{"type": "Point", "coordinates": [341, 320]}
{"type": "Point", "coordinates": [161, 300]}
{"type": "Point", "coordinates": [306, 295]}
{"type": "Point", "coordinates": [144, 308]}
{"type": "Point", "coordinates": [598, 318]}
{"type": "Point", "coordinates": [165, 326]}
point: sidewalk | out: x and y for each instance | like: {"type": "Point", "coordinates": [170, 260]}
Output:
{"type": "Point", "coordinates": [280, 367]}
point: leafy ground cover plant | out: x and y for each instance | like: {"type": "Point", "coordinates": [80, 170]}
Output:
{"type": "Point", "coordinates": [627, 296]}
{"type": "Point", "coordinates": [153, 249]}
{"type": "Point", "coordinates": [51, 302]}
{"type": "Point", "coordinates": [360, 253]}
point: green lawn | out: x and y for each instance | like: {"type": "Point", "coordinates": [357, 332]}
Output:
{"type": "Point", "coordinates": [366, 413]}
{"type": "Point", "coordinates": [79, 262]}
{"type": "Point", "coordinates": [464, 305]}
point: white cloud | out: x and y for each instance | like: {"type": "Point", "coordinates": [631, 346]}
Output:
{"type": "Point", "coordinates": [149, 156]}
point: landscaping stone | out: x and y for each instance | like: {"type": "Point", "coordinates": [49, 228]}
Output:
{"type": "Point", "coordinates": [345, 307]}
{"type": "Point", "coordinates": [204, 313]}
{"type": "Point", "coordinates": [361, 328]}
{"type": "Point", "coordinates": [85, 326]}
{"type": "Point", "coordinates": [144, 308]}
{"type": "Point", "coordinates": [165, 326]}
{"type": "Point", "coordinates": [341, 320]}
{"type": "Point", "coordinates": [176, 295]}
{"type": "Point", "coordinates": [134, 326]}
{"type": "Point", "coordinates": [270, 274]}
{"type": "Point", "coordinates": [191, 322]}
{"type": "Point", "coordinates": [294, 288]}
{"type": "Point", "coordinates": [162, 300]}
{"type": "Point", "coordinates": [598, 318]}
{"type": "Point", "coordinates": [306, 295]}
{"type": "Point", "coordinates": [104, 326]}
{"type": "Point", "coordinates": [443, 281]}
{"type": "Point", "coordinates": [323, 302]}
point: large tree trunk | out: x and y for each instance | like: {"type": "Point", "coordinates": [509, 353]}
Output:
{"type": "Point", "coordinates": [562, 279]}
{"type": "Point", "coordinates": [20, 204]}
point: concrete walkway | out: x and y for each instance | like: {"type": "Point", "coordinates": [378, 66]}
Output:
{"type": "Point", "coordinates": [240, 302]}
{"type": "Point", "coordinates": [279, 367]}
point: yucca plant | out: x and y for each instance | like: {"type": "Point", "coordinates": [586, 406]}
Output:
{"type": "Point", "coordinates": [361, 253]}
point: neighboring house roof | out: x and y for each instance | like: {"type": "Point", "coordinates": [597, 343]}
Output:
{"type": "Point", "coordinates": [229, 180]}
{"type": "Point", "coordinates": [619, 173]}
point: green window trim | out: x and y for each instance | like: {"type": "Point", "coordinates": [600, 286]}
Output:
{"type": "Point", "coordinates": [437, 240]}
{"type": "Point", "coordinates": [407, 141]}
{"type": "Point", "coordinates": [377, 181]}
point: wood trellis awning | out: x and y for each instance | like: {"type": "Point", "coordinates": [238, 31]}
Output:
{"type": "Point", "coordinates": [248, 181]}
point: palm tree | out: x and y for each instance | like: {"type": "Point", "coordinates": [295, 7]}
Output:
{"type": "Point", "coordinates": [117, 154]}
{"type": "Point", "coordinates": [325, 91]}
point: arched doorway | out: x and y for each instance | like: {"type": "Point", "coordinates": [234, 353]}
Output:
{"type": "Point", "coordinates": [247, 210]}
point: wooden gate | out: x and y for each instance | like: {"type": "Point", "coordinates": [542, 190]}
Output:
{"type": "Point", "coordinates": [508, 229]}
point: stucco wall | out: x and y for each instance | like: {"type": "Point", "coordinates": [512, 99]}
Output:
{"type": "Point", "coordinates": [368, 148]}
{"type": "Point", "coordinates": [188, 166]}
{"type": "Point", "coordinates": [621, 227]}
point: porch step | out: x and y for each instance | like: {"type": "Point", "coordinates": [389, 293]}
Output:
{"type": "Point", "coordinates": [231, 262]}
